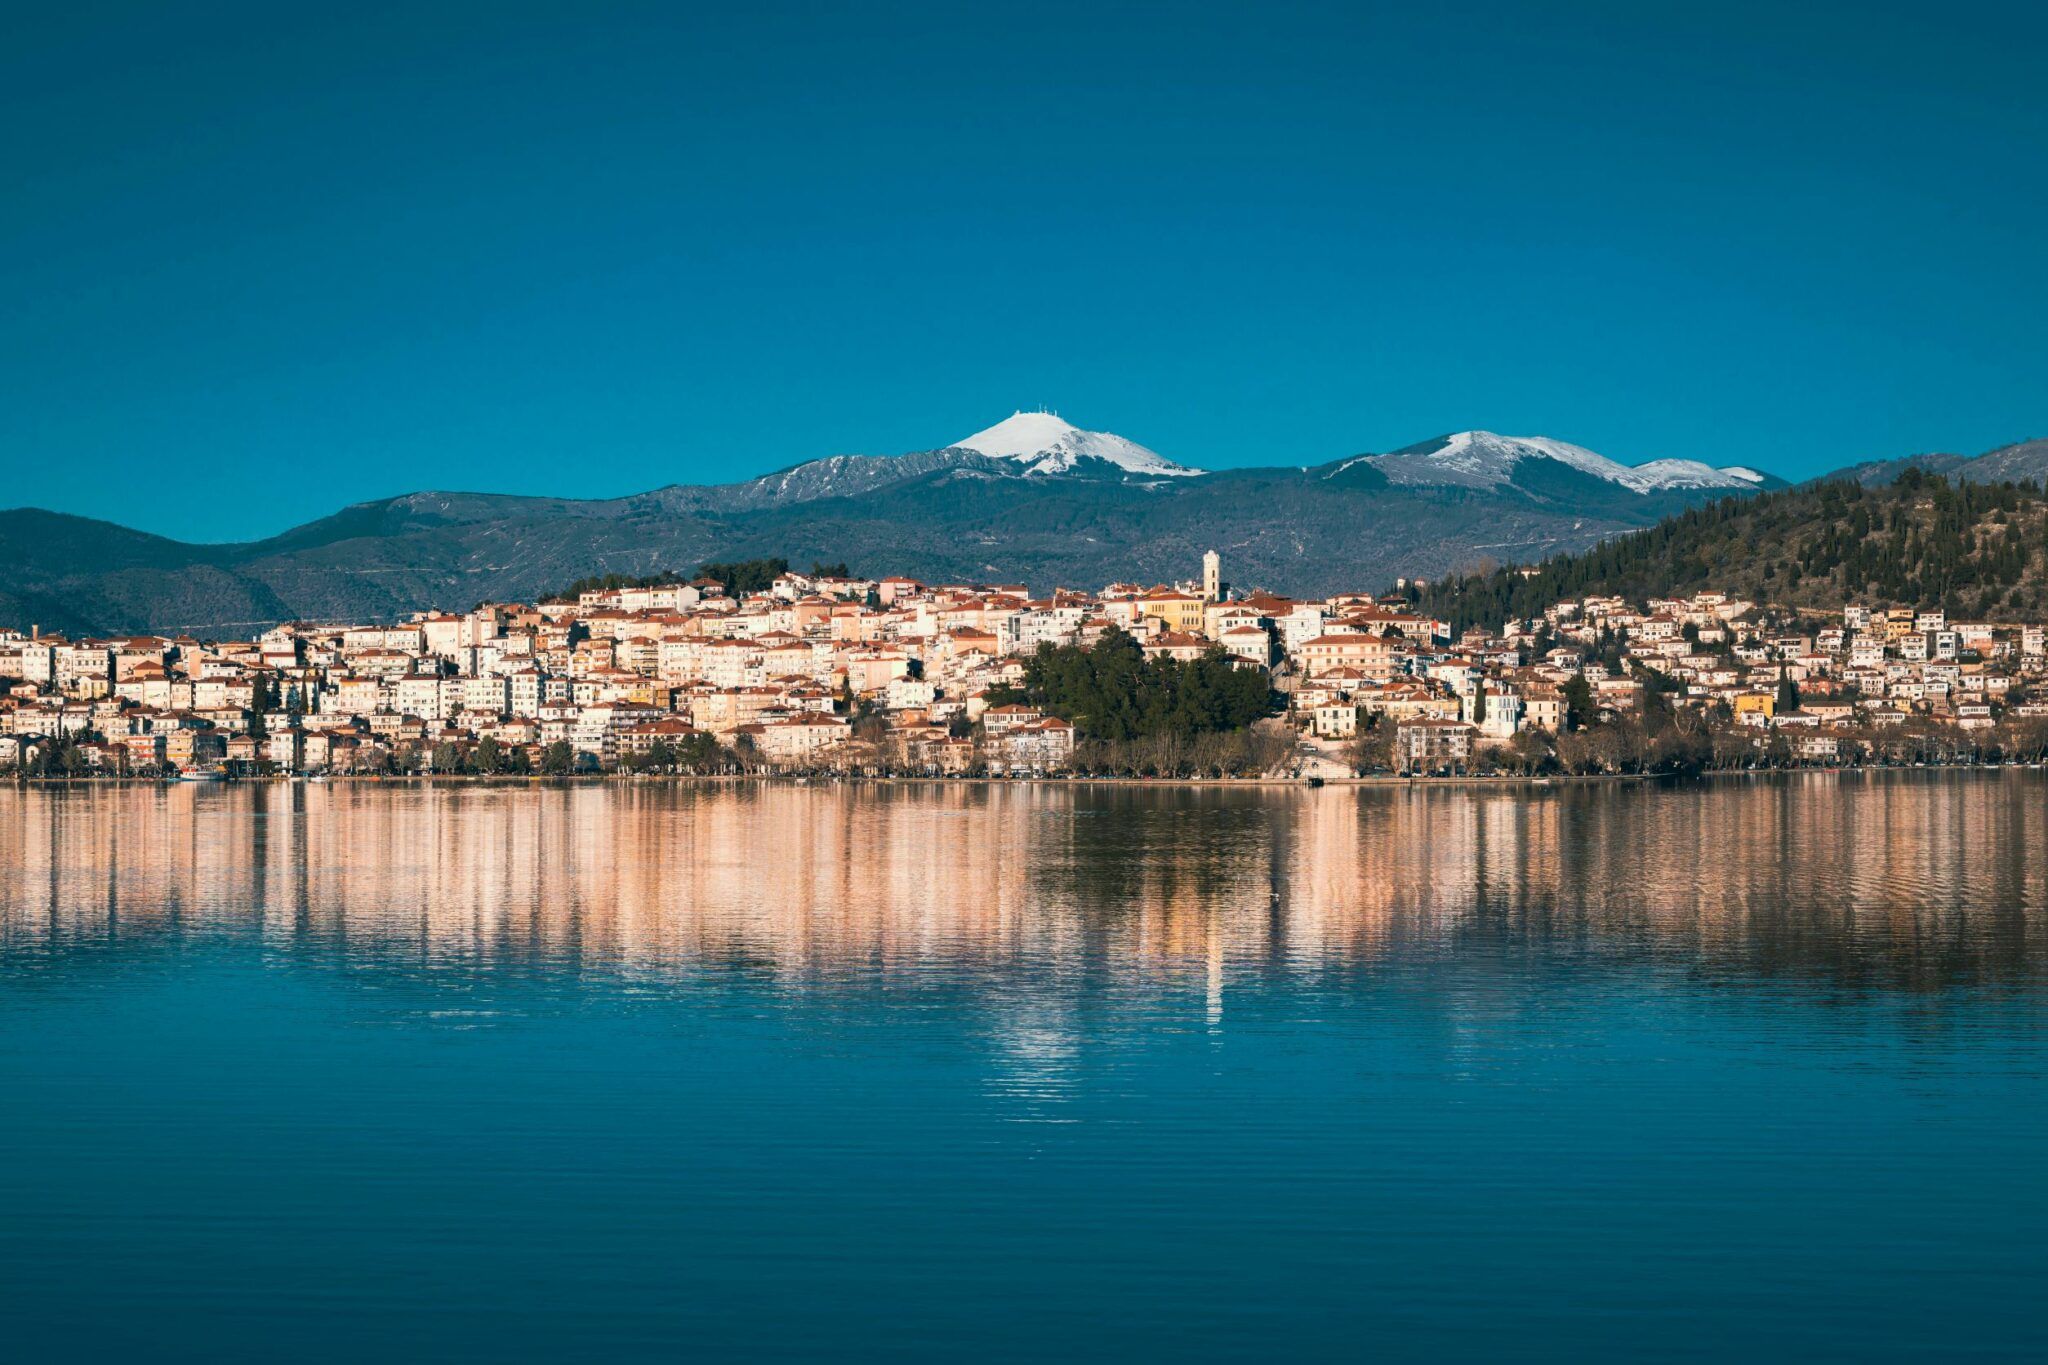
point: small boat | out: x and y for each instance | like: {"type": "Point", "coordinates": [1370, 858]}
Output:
{"type": "Point", "coordinates": [202, 775]}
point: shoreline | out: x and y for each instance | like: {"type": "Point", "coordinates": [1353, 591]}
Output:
{"type": "Point", "coordinates": [1382, 780]}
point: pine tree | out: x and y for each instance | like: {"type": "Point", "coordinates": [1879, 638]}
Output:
{"type": "Point", "coordinates": [1579, 705]}
{"type": "Point", "coordinates": [1788, 693]}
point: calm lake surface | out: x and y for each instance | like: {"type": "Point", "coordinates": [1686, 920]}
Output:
{"type": "Point", "coordinates": [341, 1072]}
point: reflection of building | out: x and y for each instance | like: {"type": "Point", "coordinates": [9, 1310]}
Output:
{"type": "Point", "coordinates": [1030, 894]}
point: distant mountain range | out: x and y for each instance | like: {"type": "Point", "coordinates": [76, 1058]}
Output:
{"type": "Point", "coordinates": [1480, 459]}
{"type": "Point", "coordinates": [2015, 463]}
{"type": "Point", "coordinates": [1031, 499]}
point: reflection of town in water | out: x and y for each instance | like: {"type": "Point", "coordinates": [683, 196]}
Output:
{"type": "Point", "coordinates": [1049, 892]}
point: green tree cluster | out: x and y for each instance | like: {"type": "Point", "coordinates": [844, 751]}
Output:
{"type": "Point", "coordinates": [745, 575]}
{"type": "Point", "coordinates": [737, 575]}
{"type": "Point", "coordinates": [1113, 693]}
{"type": "Point", "coordinates": [612, 582]}
{"type": "Point", "coordinates": [699, 753]}
{"type": "Point", "coordinates": [59, 756]}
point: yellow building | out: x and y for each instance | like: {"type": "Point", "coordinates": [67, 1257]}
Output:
{"type": "Point", "coordinates": [1754, 704]}
{"type": "Point", "coordinates": [1896, 624]}
{"type": "Point", "coordinates": [1178, 611]}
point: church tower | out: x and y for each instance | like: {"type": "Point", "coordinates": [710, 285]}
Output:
{"type": "Point", "coordinates": [1212, 576]}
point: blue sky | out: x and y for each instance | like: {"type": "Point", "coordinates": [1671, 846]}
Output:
{"type": "Point", "coordinates": [266, 260]}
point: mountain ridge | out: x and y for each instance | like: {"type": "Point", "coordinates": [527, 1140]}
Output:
{"type": "Point", "coordinates": [2012, 463]}
{"type": "Point", "coordinates": [1484, 458]}
{"type": "Point", "coordinates": [949, 514]}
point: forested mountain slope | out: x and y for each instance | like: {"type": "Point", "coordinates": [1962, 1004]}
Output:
{"type": "Point", "coordinates": [1979, 550]}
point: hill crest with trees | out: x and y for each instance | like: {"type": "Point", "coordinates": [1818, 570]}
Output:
{"type": "Point", "coordinates": [1977, 550]}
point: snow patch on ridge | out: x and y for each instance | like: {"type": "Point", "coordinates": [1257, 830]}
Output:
{"type": "Point", "coordinates": [1482, 459]}
{"type": "Point", "coordinates": [1046, 444]}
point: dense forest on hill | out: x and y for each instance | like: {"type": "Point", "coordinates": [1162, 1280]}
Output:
{"type": "Point", "coordinates": [1978, 550]}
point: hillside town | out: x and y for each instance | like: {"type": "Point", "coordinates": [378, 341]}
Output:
{"type": "Point", "coordinates": [828, 672]}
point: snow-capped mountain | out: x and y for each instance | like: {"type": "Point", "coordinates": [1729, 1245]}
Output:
{"type": "Point", "coordinates": [1040, 445]}
{"type": "Point", "coordinates": [1482, 459]}
{"type": "Point", "coordinates": [1045, 444]}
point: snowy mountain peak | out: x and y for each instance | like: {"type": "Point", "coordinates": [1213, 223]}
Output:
{"type": "Point", "coordinates": [1048, 444]}
{"type": "Point", "coordinates": [1483, 459]}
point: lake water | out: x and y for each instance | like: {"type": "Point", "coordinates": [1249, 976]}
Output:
{"type": "Point", "coordinates": [353, 1072]}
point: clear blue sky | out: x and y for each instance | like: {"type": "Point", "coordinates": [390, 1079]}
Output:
{"type": "Point", "coordinates": [265, 260]}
